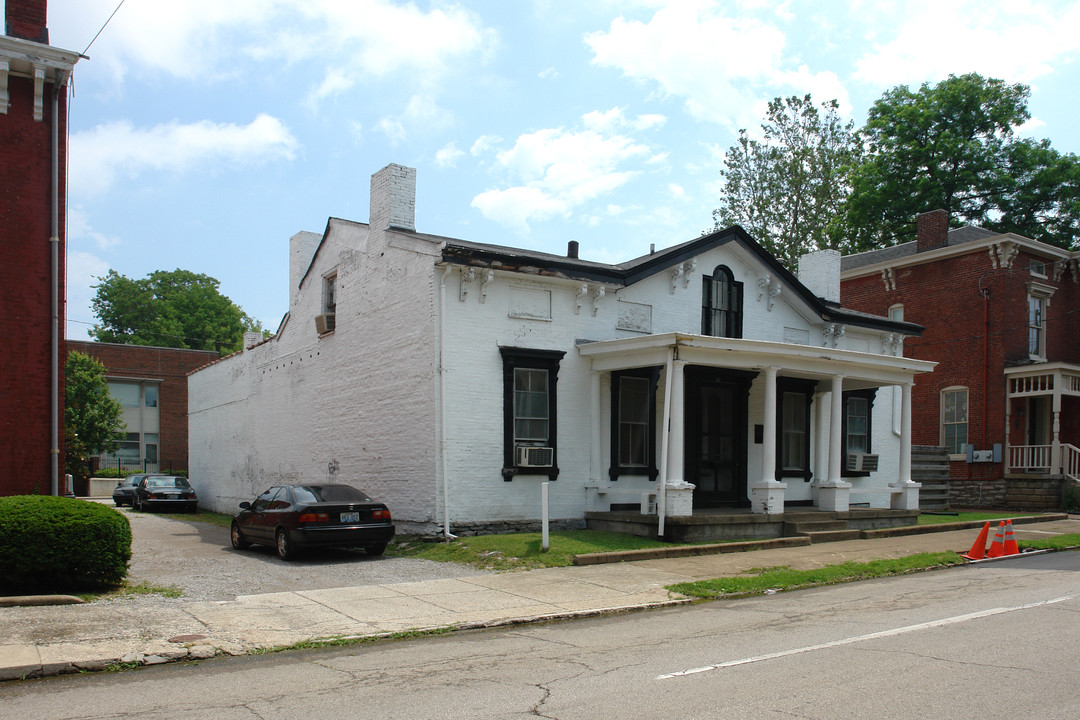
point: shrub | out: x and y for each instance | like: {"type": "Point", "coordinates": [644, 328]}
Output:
{"type": "Point", "coordinates": [56, 544]}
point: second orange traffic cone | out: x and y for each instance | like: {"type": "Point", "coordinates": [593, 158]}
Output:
{"type": "Point", "coordinates": [1010, 540]}
{"type": "Point", "coordinates": [997, 548]}
{"type": "Point", "coordinates": [978, 549]}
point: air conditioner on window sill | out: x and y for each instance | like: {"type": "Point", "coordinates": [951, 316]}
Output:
{"type": "Point", "coordinates": [324, 323]}
{"type": "Point", "coordinates": [862, 462]}
{"type": "Point", "coordinates": [535, 457]}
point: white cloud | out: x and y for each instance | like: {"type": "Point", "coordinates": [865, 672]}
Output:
{"type": "Point", "coordinates": [78, 228]}
{"type": "Point", "coordinates": [115, 149]}
{"type": "Point", "coordinates": [83, 269]}
{"type": "Point", "coordinates": [555, 171]}
{"type": "Point", "coordinates": [719, 65]}
{"type": "Point", "coordinates": [483, 144]}
{"type": "Point", "coordinates": [421, 112]}
{"type": "Point", "coordinates": [925, 40]}
{"type": "Point", "coordinates": [448, 155]}
{"type": "Point", "coordinates": [353, 40]}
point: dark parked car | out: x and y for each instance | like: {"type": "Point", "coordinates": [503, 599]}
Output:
{"type": "Point", "coordinates": [291, 517]}
{"type": "Point", "coordinates": [165, 491]}
{"type": "Point", "coordinates": [124, 492]}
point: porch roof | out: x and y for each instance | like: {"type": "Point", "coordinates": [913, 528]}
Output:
{"type": "Point", "coordinates": [860, 369]}
{"type": "Point", "coordinates": [1052, 378]}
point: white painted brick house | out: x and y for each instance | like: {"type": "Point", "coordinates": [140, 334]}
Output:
{"type": "Point", "coordinates": [450, 379]}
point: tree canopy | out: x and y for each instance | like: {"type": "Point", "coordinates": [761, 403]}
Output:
{"type": "Point", "coordinates": [950, 146]}
{"type": "Point", "coordinates": [93, 418]}
{"type": "Point", "coordinates": [785, 188]}
{"type": "Point", "coordinates": [179, 309]}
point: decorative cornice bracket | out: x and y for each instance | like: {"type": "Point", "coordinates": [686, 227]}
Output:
{"type": "Point", "coordinates": [832, 333]}
{"type": "Point", "coordinates": [889, 278]}
{"type": "Point", "coordinates": [467, 276]}
{"type": "Point", "coordinates": [769, 287]}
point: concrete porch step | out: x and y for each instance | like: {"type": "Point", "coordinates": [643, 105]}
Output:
{"type": "Point", "coordinates": [820, 536]}
{"type": "Point", "coordinates": [805, 527]}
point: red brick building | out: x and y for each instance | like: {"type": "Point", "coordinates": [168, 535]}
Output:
{"type": "Point", "coordinates": [1001, 315]}
{"type": "Point", "coordinates": [151, 385]}
{"type": "Point", "coordinates": [33, 146]}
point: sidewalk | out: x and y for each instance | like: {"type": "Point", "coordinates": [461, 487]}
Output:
{"type": "Point", "coordinates": [60, 639]}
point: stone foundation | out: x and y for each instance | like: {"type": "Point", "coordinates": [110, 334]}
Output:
{"type": "Point", "coordinates": [1008, 493]}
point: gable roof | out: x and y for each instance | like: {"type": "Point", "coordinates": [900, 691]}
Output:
{"type": "Point", "coordinates": [461, 252]}
{"type": "Point", "coordinates": [955, 239]}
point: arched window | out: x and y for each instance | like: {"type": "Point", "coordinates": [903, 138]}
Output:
{"type": "Point", "coordinates": [721, 304]}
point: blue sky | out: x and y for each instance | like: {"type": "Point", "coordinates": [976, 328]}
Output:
{"type": "Point", "coordinates": [205, 133]}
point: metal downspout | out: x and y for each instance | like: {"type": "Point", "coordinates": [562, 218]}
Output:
{"type": "Point", "coordinates": [442, 406]}
{"type": "Point", "coordinates": [54, 242]}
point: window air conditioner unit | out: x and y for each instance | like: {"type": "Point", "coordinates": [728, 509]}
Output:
{"type": "Point", "coordinates": [535, 457]}
{"type": "Point", "coordinates": [862, 462]}
{"type": "Point", "coordinates": [324, 323]}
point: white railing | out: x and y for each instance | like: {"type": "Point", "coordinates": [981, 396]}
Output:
{"type": "Point", "coordinates": [1029, 457]}
{"type": "Point", "coordinates": [1070, 461]}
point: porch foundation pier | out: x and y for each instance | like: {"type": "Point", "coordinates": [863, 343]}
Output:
{"type": "Point", "coordinates": [834, 495]}
{"type": "Point", "coordinates": [767, 496]}
{"type": "Point", "coordinates": [906, 492]}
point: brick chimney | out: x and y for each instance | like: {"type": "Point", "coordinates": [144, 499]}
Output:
{"type": "Point", "coordinates": [393, 198]}
{"type": "Point", "coordinates": [26, 19]}
{"type": "Point", "coordinates": [932, 230]}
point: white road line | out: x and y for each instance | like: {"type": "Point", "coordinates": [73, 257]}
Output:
{"type": "Point", "coordinates": [870, 636]}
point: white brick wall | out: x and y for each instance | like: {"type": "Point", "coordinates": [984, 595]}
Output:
{"type": "Point", "coordinates": [361, 405]}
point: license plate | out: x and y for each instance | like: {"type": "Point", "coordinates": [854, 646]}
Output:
{"type": "Point", "coordinates": [350, 517]}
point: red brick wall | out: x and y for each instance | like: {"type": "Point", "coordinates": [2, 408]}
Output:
{"type": "Point", "coordinates": [945, 297]}
{"type": "Point", "coordinates": [169, 365]}
{"type": "Point", "coordinates": [25, 290]}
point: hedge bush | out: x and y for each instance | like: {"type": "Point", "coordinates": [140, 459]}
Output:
{"type": "Point", "coordinates": [61, 545]}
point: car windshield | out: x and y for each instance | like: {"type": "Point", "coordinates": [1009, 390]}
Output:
{"type": "Point", "coordinates": [304, 494]}
{"type": "Point", "coordinates": [167, 482]}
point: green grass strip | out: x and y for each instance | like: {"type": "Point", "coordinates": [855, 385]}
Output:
{"type": "Point", "coordinates": [780, 579]}
{"type": "Point", "coordinates": [1058, 542]}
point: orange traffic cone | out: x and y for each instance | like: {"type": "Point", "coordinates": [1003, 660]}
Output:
{"type": "Point", "coordinates": [997, 548]}
{"type": "Point", "coordinates": [978, 550]}
{"type": "Point", "coordinates": [1010, 540]}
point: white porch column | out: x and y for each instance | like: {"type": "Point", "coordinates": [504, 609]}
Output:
{"type": "Point", "coordinates": [1055, 442]}
{"type": "Point", "coordinates": [676, 445]}
{"type": "Point", "coordinates": [677, 493]}
{"type": "Point", "coordinates": [908, 496]}
{"type": "Point", "coordinates": [767, 496]}
{"type": "Point", "coordinates": [821, 440]}
{"type": "Point", "coordinates": [596, 428]}
{"type": "Point", "coordinates": [834, 494]}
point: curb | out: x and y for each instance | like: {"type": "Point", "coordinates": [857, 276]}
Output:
{"type": "Point", "coordinates": [30, 600]}
{"type": "Point", "coordinates": [678, 551]}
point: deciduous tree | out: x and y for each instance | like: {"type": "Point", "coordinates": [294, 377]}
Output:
{"type": "Point", "coordinates": [178, 309]}
{"type": "Point", "coordinates": [93, 418]}
{"type": "Point", "coordinates": [785, 188]}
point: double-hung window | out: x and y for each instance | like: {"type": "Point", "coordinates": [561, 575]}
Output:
{"type": "Point", "coordinates": [1038, 301]}
{"type": "Point", "coordinates": [633, 422]}
{"type": "Point", "coordinates": [857, 426]}
{"type": "Point", "coordinates": [721, 304]}
{"type": "Point", "coordinates": [530, 415]}
{"type": "Point", "coordinates": [954, 419]}
{"type": "Point", "coordinates": [793, 447]}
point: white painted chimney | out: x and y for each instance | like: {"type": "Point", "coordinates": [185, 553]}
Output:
{"type": "Point", "coordinates": [393, 199]}
{"type": "Point", "coordinates": [302, 248]}
{"type": "Point", "coordinates": [819, 271]}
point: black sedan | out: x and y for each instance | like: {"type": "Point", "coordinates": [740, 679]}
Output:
{"type": "Point", "coordinates": [292, 517]}
{"type": "Point", "coordinates": [124, 492]}
{"type": "Point", "coordinates": [165, 492]}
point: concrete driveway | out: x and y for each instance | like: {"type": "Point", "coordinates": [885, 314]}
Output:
{"type": "Point", "coordinates": [199, 559]}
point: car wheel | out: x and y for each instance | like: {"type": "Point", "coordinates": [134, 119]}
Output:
{"type": "Point", "coordinates": [135, 503]}
{"type": "Point", "coordinates": [376, 550]}
{"type": "Point", "coordinates": [238, 540]}
{"type": "Point", "coordinates": [284, 545]}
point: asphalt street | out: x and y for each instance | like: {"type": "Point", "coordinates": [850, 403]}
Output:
{"type": "Point", "coordinates": [988, 640]}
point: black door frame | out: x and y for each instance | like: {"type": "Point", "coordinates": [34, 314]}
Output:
{"type": "Point", "coordinates": [696, 379]}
